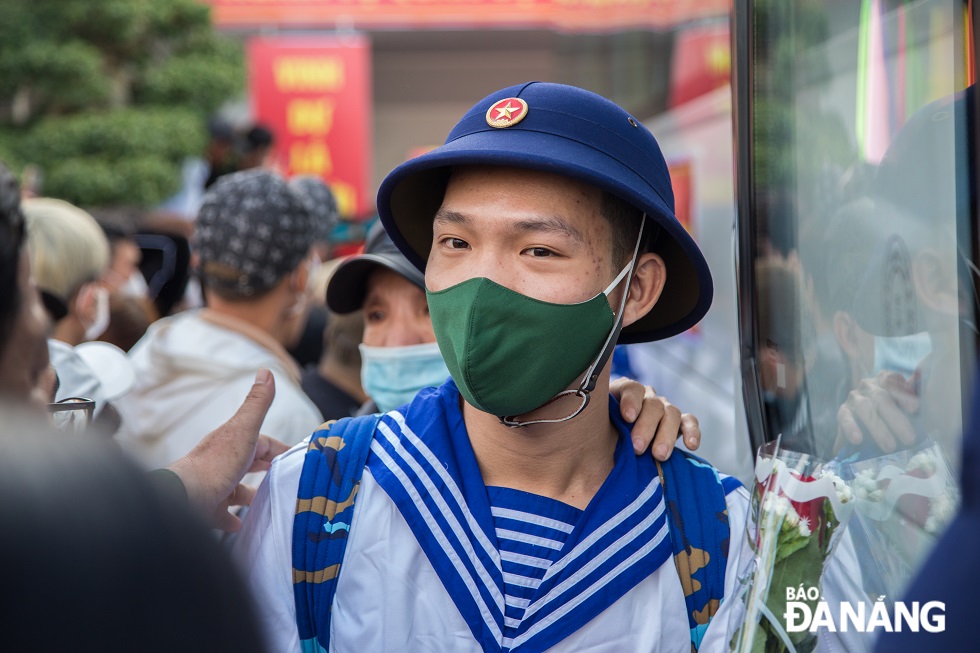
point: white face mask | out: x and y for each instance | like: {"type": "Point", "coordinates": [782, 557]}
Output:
{"type": "Point", "coordinates": [902, 354]}
{"type": "Point", "coordinates": [100, 321]}
{"type": "Point", "coordinates": [392, 376]}
{"type": "Point", "coordinates": [135, 286]}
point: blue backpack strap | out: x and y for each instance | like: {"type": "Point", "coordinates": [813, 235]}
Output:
{"type": "Point", "coordinates": [328, 485]}
{"type": "Point", "coordinates": [699, 532]}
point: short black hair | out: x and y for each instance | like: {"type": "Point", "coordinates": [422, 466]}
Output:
{"type": "Point", "coordinates": [258, 137]}
{"type": "Point", "coordinates": [11, 243]}
{"type": "Point", "coordinates": [624, 220]}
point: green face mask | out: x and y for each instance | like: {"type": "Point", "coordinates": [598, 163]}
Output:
{"type": "Point", "coordinates": [510, 354]}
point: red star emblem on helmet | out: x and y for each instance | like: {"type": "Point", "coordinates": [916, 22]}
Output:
{"type": "Point", "coordinates": [507, 113]}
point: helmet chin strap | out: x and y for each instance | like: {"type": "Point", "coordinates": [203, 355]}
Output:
{"type": "Point", "coordinates": [591, 378]}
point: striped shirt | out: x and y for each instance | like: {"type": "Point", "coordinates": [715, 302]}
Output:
{"type": "Point", "coordinates": [531, 531]}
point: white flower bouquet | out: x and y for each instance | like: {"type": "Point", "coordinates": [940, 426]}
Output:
{"type": "Point", "coordinates": [903, 502]}
{"type": "Point", "coordinates": [799, 506]}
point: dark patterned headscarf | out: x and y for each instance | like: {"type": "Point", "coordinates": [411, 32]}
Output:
{"type": "Point", "coordinates": [320, 201]}
{"type": "Point", "coordinates": [252, 230]}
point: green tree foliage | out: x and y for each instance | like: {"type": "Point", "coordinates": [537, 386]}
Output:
{"type": "Point", "coordinates": [109, 96]}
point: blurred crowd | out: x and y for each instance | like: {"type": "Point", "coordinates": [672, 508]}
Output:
{"type": "Point", "coordinates": [139, 333]}
{"type": "Point", "coordinates": [108, 277]}
{"type": "Point", "coordinates": [146, 328]}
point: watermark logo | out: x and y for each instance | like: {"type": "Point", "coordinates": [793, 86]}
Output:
{"type": "Point", "coordinates": [807, 611]}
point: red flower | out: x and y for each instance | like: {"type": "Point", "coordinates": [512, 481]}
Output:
{"type": "Point", "coordinates": [811, 510]}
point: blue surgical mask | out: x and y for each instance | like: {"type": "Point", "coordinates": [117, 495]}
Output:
{"type": "Point", "coordinates": [902, 354]}
{"type": "Point", "coordinates": [392, 376]}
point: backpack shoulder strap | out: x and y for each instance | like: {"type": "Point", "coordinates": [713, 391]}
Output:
{"type": "Point", "coordinates": [699, 532]}
{"type": "Point", "coordinates": [328, 485]}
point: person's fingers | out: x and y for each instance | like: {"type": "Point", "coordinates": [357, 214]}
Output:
{"type": "Point", "coordinates": [215, 466]}
{"type": "Point", "coordinates": [847, 425]}
{"type": "Point", "coordinates": [879, 407]}
{"type": "Point", "coordinates": [892, 416]}
{"type": "Point", "coordinates": [250, 415]}
{"type": "Point", "coordinates": [242, 495]}
{"type": "Point", "coordinates": [666, 438]}
{"type": "Point", "coordinates": [901, 389]}
{"type": "Point", "coordinates": [690, 431]}
{"type": "Point", "coordinates": [226, 521]}
{"type": "Point", "coordinates": [268, 448]}
{"type": "Point", "coordinates": [630, 394]}
{"type": "Point", "coordinates": [259, 465]}
{"type": "Point", "coordinates": [265, 450]}
{"type": "Point", "coordinates": [648, 420]}
{"type": "Point", "coordinates": [870, 419]}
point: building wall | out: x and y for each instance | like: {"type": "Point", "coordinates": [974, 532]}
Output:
{"type": "Point", "coordinates": [425, 81]}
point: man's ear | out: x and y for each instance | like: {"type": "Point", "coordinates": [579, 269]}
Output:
{"type": "Point", "coordinates": [844, 327]}
{"type": "Point", "coordinates": [935, 282]}
{"type": "Point", "coordinates": [83, 301]}
{"type": "Point", "coordinates": [645, 288]}
{"type": "Point", "coordinates": [300, 277]}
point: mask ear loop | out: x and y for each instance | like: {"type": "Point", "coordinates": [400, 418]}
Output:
{"type": "Point", "coordinates": [591, 378]}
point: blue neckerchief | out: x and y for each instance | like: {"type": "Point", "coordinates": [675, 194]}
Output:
{"type": "Point", "coordinates": [423, 460]}
{"type": "Point", "coordinates": [331, 477]}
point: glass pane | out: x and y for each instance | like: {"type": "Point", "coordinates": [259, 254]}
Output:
{"type": "Point", "coordinates": [865, 310]}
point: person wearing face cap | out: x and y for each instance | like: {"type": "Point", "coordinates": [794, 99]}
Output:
{"type": "Point", "coordinates": [253, 240]}
{"type": "Point", "coordinates": [916, 295]}
{"type": "Point", "coordinates": [504, 510]}
{"type": "Point", "coordinates": [399, 354]}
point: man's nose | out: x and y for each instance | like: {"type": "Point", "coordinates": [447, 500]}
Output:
{"type": "Point", "coordinates": [487, 263]}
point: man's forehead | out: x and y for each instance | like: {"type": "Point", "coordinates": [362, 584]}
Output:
{"type": "Point", "coordinates": [545, 223]}
{"type": "Point", "coordinates": [470, 186]}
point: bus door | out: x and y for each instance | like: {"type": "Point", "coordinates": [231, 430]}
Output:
{"type": "Point", "coordinates": [857, 261]}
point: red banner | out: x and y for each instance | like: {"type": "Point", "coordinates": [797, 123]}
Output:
{"type": "Point", "coordinates": [572, 15]}
{"type": "Point", "coordinates": [315, 96]}
{"type": "Point", "coordinates": [701, 63]}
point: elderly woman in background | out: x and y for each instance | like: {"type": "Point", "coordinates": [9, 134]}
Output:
{"type": "Point", "coordinates": [69, 253]}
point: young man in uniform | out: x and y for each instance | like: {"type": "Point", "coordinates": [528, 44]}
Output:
{"type": "Point", "coordinates": [506, 510]}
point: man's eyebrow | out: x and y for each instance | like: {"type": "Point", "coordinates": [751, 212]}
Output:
{"type": "Point", "coordinates": [550, 225]}
{"type": "Point", "coordinates": [451, 217]}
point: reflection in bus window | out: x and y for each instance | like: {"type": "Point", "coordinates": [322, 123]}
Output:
{"type": "Point", "coordinates": [859, 181]}
{"type": "Point", "coordinates": [863, 327]}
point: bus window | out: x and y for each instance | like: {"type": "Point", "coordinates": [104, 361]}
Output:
{"type": "Point", "coordinates": [856, 255]}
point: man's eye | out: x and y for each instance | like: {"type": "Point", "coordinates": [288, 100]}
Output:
{"type": "Point", "coordinates": [539, 252]}
{"type": "Point", "coordinates": [456, 243]}
{"type": "Point", "coordinates": [374, 316]}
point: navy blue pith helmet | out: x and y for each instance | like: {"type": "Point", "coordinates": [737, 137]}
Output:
{"type": "Point", "coordinates": [572, 132]}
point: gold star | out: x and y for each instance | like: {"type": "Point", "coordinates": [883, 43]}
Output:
{"type": "Point", "coordinates": [506, 112]}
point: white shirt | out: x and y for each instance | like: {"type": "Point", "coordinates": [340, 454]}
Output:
{"type": "Point", "coordinates": [193, 372]}
{"type": "Point", "coordinates": [389, 597]}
